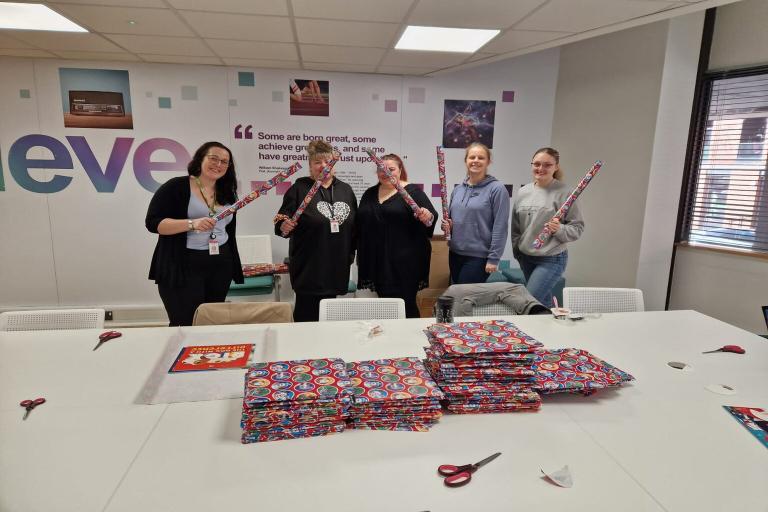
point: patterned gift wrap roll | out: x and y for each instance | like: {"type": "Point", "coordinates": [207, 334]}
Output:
{"type": "Point", "coordinates": [443, 185]}
{"type": "Point", "coordinates": [545, 234]}
{"type": "Point", "coordinates": [395, 182]}
{"type": "Point", "coordinates": [274, 180]}
{"type": "Point", "coordinates": [315, 187]}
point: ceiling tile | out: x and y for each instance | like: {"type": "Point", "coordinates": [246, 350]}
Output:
{"type": "Point", "coordinates": [127, 57]}
{"type": "Point", "coordinates": [114, 20]}
{"type": "Point", "coordinates": [253, 49]}
{"type": "Point", "coordinates": [344, 68]}
{"type": "Point", "coordinates": [360, 10]}
{"type": "Point", "coordinates": [405, 70]}
{"type": "Point", "coordinates": [273, 7]}
{"type": "Point", "coordinates": [341, 54]}
{"type": "Point", "coordinates": [25, 52]}
{"type": "Point", "coordinates": [570, 16]}
{"type": "Point", "coordinates": [9, 42]}
{"type": "Point", "coordinates": [346, 33]}
{"type": "Point", "coordinates": [433, 60]}
{"type": "Point", "coordinates": [181, 59]}
{"type": "Point", "coordinates": [517, 39]}
{"type": "Point", "coordinates": [158, 45]}
{"type": "Point", "coordinates": [130, 3]}
{"type": "Point", "coordinates": [240, 26]}
{"type": "Point", "coordinates": [76, 41]}
{"type": "Point", "coordinates": [490, 14]}
{"type": "Point", "coordinates": [262, 63]}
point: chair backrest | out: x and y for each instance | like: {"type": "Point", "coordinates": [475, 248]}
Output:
{"type": "Point", "coordinates": [227, 313]}
{"type": "Point", "coordinates": [361, 309]}
{"type": "Point", "coordinates": [254, 249]}
{"type": "Point", "coordinates": [603, 300]}
{"type": "Point", "coordinates": [495, 309]}
{"type": "Point", "coordinates": [52, 319]}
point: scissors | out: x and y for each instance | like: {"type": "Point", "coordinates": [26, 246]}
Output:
{"type": "Point", "coordinates": [106, 336]}
{"type": "Point", "coordinates": [728, 348]}
{"type": "Point", "coordinates": [31, 404]}
{"type": "Point", "coordinates": [456, 476]}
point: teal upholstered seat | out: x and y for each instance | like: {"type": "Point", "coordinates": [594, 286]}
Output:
{"type": "Point", "coordinates": [257, 285]}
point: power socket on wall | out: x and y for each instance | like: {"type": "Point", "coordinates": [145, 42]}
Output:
{"type": "Point", "coordinates": [108, 316]}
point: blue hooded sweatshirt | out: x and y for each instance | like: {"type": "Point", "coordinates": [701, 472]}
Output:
{"type": "Point", "coordinates": [480, 215]}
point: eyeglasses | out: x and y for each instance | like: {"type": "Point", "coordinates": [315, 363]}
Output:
{"type": "Point", "coordinates": [217, 161]}
{"type": "Point", "coordinates": [539, 164]}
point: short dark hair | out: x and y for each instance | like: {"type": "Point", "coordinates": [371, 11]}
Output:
{"type": "Point", "coordinates": [226, 186]}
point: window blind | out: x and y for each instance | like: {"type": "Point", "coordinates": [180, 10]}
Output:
{"type": "Point", "coordinates": [726, 203]}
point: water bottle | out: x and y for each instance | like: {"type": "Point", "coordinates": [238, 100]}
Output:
{"type": "Point", "coordinates": [444, 309]}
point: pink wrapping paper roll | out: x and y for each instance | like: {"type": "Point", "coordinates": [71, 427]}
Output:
{"type": "Point", "coordinates": [315, 187]}
{"type": "Point", "coordinates": [443, 185]}
{"type": "Point", "coordinates": [403, 193]}
{"type": "Point", "coordinates": [563, 211]}
{"type": "Point", "coordinates": [274, 180]}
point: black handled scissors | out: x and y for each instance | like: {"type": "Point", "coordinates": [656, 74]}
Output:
{"type": "Point", "coordinates": [31, 404]}
{"type": "Point", "coordinates": [106, 336]}
{"type": "Point", "coordinates": [456, 476]}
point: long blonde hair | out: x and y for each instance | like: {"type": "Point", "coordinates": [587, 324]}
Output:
{"type": "Point", "coordinates": [558, 175]}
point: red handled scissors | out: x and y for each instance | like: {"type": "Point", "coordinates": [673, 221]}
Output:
{"type": "Point", "coordinates": [31, 404]}
{"type": "Point", "coordinates": [456, 476]}
{"type": "Point", "coordinates": [728, 348]}
{"type": "Point", "coordinates": [106, 336]}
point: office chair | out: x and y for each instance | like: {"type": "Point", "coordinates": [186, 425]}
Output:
{"type": "Point", "coordinates": [227, 313]}
{"type": "Point", "coordinates": [602, 300]}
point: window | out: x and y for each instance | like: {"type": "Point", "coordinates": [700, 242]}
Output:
{"type": "Point", "coordinates": [726, 202]}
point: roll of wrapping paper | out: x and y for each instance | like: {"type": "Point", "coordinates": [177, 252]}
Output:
{"type": "Point", "coordinates": [563, 211]}
{"type": "Point", "coordinates": [403, 193]}
{"type": "Point", "coordinates": [274, 180]}
{"type": "Point", "coordinates": [443, 185]}
{"type": "Point", "coordinates": [315, 187]}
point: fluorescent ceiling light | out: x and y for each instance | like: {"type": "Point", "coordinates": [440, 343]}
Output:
{"type": "Point", "coordinates": [35, 17]}
{"type": "Point", "coordinates": [440, 39]}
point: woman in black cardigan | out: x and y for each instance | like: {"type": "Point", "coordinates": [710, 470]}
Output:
{"type": "Point", "coordinates": [196, 257]}
{"type": "Point", "coordinates": [393, 249]}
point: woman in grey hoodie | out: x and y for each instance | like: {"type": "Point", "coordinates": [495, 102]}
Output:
{"type": "Point", "coordinates": [478, 220]}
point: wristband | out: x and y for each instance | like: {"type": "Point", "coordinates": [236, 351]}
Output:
{"type": "Point", "coordinates": [189, 225]}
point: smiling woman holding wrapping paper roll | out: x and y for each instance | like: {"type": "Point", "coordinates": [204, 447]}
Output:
{"type": "Point", "coordinates": [196, 256]}
{"type": "Point", "coordinates": [393, 245]}
{"type": "Point", "coordinates": [534, 209]}
{"type": "Point", "coordinates": [322, 246]}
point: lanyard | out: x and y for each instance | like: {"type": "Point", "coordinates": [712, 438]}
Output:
{"type": "Point", "coordinates": [211, 206]}
{"type": "Point", "coordinates": [322, 195]}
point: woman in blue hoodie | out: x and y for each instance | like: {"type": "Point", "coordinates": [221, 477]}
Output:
{"type": "Point", "coordinates": [479, 217]}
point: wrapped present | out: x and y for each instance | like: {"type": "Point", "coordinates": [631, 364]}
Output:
{"type": "Point", "coordinates": [572, 370]}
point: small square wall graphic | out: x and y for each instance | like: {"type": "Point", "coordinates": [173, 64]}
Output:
{"type": "Point", "coordinates": [246, 79]}
{"type": "Point", "coordinates": [282, 187]}
{"type": "Point", "coordinates": [189, 92]}
{"type": "Point", "coordinates": [233, 102]}
{"type": "Point", "coordinates": [419, 186]}
{"type": "Point", "coordinates": [509, 189]}
{"type": "Point", "coordinates": [164, 102]}
{"type": "Point", "coordinates": [390, 105]}
{"type": "Point", "coordinates": [508, 96]}
{"type": "Point", "coordinates": [435, 190]}
{"type": "Point", "coordinates": [277, 97]}
{"type": "Point", "coordinates": [417, 94]}
{"type": "Point", "coordinates": [24, 93]}
{"type": "Point", "coordinates": [375, 97]}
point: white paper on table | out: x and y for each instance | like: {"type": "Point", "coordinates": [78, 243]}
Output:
{"type": "Point", "coordinates": [561, 477]}
{"type": "Point", "coordinates": [720, 389]}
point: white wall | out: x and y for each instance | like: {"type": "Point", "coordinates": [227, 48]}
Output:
{"type": "Point", "coordinates": [730, 287]}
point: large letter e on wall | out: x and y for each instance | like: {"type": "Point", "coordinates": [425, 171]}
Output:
{"type": "Point", "coordinates": [19, 164]}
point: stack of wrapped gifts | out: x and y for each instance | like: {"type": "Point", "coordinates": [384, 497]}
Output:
{"type": "Point", "coordinates": [393, 394]}
{"type": "Point", "coordinates": [572, 370]}
{"type": "Point", "coordinates": [290, 399]}
{"type": "Point", "coordinates": [483, 366]}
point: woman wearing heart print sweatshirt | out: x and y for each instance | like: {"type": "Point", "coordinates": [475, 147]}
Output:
{"type": "Point", "coordinates": [322, 245]}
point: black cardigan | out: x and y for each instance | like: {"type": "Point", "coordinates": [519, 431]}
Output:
{"type": "Point", "coordinates": [169, 261]}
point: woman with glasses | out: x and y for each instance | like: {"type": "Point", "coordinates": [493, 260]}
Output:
{"type": "Point", "coordinates": [479, 218]}
{"type": "Point", "coordinates": [196, 257]}
{"type": "Point", "coordinates": [534, 207]}
{"type": "Point", "coordinates": [322, 246]}
{"type": "Point", "coordinates": [393, 247]}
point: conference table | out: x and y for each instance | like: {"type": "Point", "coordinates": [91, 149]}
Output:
{"type": "Point", "coordinates": [107, 439]}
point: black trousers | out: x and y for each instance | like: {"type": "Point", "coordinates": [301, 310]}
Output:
{"type": "Point", "coordinates": [407, 294]}
{"type": "Point", "coordinates": [208, 281]}
{"type": "Point", "coordinates": [307, 307]}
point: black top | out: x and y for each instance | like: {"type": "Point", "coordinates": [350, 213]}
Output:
{"type": "Point", "coordinates": [393, 246]}
{"type": "Point", "coordinates": [169, 262]}
{"type": "Point", "coordinates": [318, 259]}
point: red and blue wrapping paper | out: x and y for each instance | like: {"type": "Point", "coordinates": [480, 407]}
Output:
{"type": "Point", "coordinates": [395, 182]}
{"type": "Point", "coordinates": [443, 185]}
{"type": "Point", "coordinates": [274, 180]}
{"type": "Point", "coordinates": [572, 370]}
{"type": "Point", "coordinates": [315, 187]}
{"type": "Point", "coordinates": [473, 338]}
{"type": "Point", "coordinates": [545, 234]}
{"type": "Point", "coordinates": [295, 433]}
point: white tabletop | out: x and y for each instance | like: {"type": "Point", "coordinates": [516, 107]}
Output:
{"type": "Point", "coordinates": [662, 442]}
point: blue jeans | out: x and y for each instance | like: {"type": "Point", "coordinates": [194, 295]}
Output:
{"type": "Point", "coordinates": [542, 273]}
{"type": "Point", "coordinates": [467, 269]}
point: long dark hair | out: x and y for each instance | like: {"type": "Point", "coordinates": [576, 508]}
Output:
{"type": "Point", "coordinates": [226, 186]}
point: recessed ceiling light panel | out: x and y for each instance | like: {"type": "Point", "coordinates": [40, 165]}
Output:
{"type": "Point", "coordinates": [441, 39]}
{"type": "Point", "coordinates": [35, 17]}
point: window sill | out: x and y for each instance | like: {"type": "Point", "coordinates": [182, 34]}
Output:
{"type": "Point", "coordinates": [724, 250]}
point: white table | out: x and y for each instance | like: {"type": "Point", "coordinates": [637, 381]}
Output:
{"type": "Point", "coordinates": [660, 443]}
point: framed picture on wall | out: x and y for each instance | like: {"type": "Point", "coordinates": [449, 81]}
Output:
{"type": "Point", "coordinates": [468, 121]}
{"type": "Point", "coordinates": [96, 98]}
